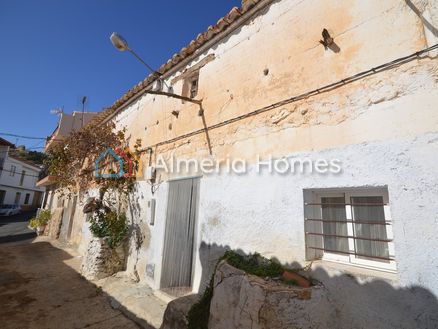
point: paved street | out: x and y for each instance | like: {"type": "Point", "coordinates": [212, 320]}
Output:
{"type": "Point", "coordinates": [14, 228]}
{"type": "Point", "coordinates": [40, 288]}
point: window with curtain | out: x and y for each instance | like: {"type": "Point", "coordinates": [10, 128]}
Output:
{"type": "Point", "coordinates": [351, 226]}
{"type": "Point", "coordinates": [370, 236]}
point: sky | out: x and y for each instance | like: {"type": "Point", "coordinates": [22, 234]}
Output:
{"type": "Point", "coordinates": [54, 52]}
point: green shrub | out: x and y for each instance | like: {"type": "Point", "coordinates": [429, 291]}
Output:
{"type": "Point", "coordinates": [200, 311]}
{"type": "Point", "coordinates": [41, 220]}
{"type": "Point", "coordinates": [254, 264]}
{"type": "Point", "coordinates": [110, 225]}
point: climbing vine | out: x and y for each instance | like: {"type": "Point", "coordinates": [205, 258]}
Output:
{"type": "Point", "coordinates": [71, 160]}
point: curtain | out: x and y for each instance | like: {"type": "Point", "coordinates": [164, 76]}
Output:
{"type": "Point", "coordinates": [364, 210]}
{"type": "Point", "coordinates": [333, 208]}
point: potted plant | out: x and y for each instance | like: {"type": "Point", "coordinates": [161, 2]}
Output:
{"type": "Point", "coordinates": [39, 222]}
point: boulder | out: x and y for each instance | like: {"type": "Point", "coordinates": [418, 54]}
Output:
{"type": "Point", "coordinates": [241, 300]}
{"type": "Point", "coordinates": [175, 316]}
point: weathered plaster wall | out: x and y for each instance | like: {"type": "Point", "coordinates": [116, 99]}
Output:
{"type": "Point", "coordinates": [285, 41]}
{"type": "Point", "coordinates": [264, 212]}
{"type": "Point", "coordinates": [383, 128]}
{"type": "Point", "coordinates": [394, 106]}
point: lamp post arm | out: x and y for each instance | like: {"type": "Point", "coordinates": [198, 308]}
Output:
{"type": "Point", "coordinates": [143, 62]}
{"type": "Point", "coordinates": [183, 98]}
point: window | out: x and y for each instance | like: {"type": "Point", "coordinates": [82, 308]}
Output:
{"type": "Point", "coordinates": [352, 226]}
{"type": "Point", "coordinates": [26, 198]}
{"type": "Point", "coordinates": [17, 198]}
{"type": "Point", "coordinates": [194, 87]}
{"type": "Point", "coordinates": [190, 86]}
{"type": "Point", "coordinates": [12, 172]}
{"type": "Point", "coordinates": [23, 173]}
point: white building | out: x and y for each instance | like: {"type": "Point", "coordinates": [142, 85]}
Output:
{"type": "Point", "coordinates": [269, 88]}
{"type": "Point", "coordinates": [68, 123]}
{"type": "Point", "coordinates": [18, 179]}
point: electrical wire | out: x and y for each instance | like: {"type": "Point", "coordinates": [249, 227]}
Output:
{"type": "Point", "coordinates": [24, 137]}
{"type": "Point", "coordinates": [314, 92]}
{"type": "Point", "coordinates": [16, 172]}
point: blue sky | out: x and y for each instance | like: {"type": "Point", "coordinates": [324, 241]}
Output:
{"type": "Point", "coordinates": [53, 52]}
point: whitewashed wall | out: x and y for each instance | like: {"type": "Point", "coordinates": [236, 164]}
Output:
{"type": "Point", "coordinates": [384, 129]}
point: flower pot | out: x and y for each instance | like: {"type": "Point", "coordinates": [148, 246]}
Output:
{"type": "Point", "coordinates": [292, 276]}
{"type": "Point", "coordinates": [40, 230]}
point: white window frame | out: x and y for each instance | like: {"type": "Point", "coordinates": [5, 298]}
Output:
{"type": "Point", "coordinates": [352, 258]}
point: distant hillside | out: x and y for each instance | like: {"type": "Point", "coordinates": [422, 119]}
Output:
{"type": "Point", "coordinates": [32, 156]}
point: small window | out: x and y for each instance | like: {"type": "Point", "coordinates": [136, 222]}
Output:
{"type": "Point", "coordinates": [26, 198]}
{"type": "Point", "coordinates": [191, 84]}
{"type": "Point", "coordinates": [352, 226]}
{"type": "Point", "coordinates": [23, 173]}
{"type": "Point", "coordinates": [194, 87]}
{"type": "Point", "coordinates": [12, 172]}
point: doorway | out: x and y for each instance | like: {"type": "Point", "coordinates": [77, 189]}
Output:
{"type": "Point", "coordinates": [17, 198]}
{"type": "Point", "coordinates": [182, 208]}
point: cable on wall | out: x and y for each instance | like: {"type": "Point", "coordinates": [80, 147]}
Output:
{"type": "Point", "coordinates": [314, 92]}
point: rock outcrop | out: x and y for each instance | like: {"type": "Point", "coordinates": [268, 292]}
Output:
{"type": "Point", "coordinates": [175, 316]}
{"type": "Point", "coordinates": [241, 300]}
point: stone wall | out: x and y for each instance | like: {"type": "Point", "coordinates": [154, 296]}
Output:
{"type": "Point", "coordinates": [101, 261]}
{"type": "Point", "coordinates": [54, 226]}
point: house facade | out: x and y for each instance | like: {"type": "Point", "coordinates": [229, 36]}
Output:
{"type": "Point", "coordinates": [18, 179]}
{"type": "Point", "coordinates": [321, 118]}
{"type": "Point", "coordinates": [62, 208]}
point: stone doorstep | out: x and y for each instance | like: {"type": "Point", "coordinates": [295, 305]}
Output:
{"type": "Point", "coordinates": [167, 295]}
{"type": "Point", "coordinates": [137, 301]}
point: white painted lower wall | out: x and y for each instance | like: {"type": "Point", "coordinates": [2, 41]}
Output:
{"type": "Point", "coordinates": [265, 213]}
{"type": "Point", "coordinates": [11, 193]}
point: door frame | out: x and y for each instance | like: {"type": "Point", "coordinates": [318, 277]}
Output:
{"type": "Point", "coordinates": [195, 230]}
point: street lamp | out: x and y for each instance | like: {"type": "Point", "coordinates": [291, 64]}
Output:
{"type": "Point", "coordinates": [122, 45]}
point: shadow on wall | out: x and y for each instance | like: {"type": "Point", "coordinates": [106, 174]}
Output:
{"type": "Point", "coordinates": [358, 303]}
{"type": "Point", "coordinates": [135, 234]}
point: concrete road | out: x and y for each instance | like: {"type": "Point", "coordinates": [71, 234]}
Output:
{"type": "Point", "coordinates": [14, 228]}
{"type": "Point", "coordinates": [41, 288]}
